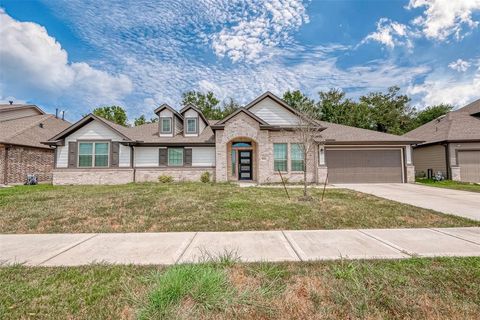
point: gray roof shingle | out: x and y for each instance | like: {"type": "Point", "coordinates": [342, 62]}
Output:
{"type": "Point", "coordinates": [31, 131]}
{"type": "Point", "coordinates": [461, 124]}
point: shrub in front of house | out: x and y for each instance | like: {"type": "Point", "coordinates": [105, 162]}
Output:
{"type": "Point", "coordinates": [165, 179]}
{"type": "Point", "coordinates": [205, 177]}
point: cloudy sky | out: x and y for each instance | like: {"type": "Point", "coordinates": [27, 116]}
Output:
{"type": "Point", "coordinates": [78, 54]}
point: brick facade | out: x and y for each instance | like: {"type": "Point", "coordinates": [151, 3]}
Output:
{"type": "Point", "coordinates": [178, 174]}
{"type": "Point", "coordinates": [20, 161]}
{"type": "Point", "coordinates": [92, 176]}
{"type": "Point", "coordinates": [243, 126]}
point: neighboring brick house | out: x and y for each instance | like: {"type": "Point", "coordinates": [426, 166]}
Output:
{"type": "Point", "coordinates": [451, 145]}
{"type": "Point", "coordinates": [252, 144]}
{"type": "Point", "coordinates": [22, 129]}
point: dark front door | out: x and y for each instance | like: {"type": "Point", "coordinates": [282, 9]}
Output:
{"type": "Point", "coordinates": [245, 165]}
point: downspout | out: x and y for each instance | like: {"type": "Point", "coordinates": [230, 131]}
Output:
{"type": "Point", "coordinates": [132, 163]}
{"type": "Point", "coordinates": [447, 161]}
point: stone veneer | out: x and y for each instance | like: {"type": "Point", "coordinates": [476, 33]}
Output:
{"type": "Point", "coordinates": [243, 126]}
{"type": "Point", "coordinates": [92, 176]}
{"type": "Point", "coordinates": [410, 173]}
{"type": "Point", "coordinates": [455, 172]}
{"type": "Point", "coordinates": [178, 174]}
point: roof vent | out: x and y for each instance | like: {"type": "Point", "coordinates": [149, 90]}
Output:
{"type": "Point", "coordinates": [40, 125]}
{"type": "Point", "coordinates": [10, 101]}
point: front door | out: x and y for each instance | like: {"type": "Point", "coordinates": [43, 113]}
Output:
{"type": "Point", "coordinates": [245, 165]}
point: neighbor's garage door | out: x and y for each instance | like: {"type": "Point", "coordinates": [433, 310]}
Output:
{"type": "Point", "coordinates": [469, 162]}
{"type": "Point", "coordinates": [364, 166]}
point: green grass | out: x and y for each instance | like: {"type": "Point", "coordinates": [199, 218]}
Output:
{"type": "Point", "coordinates": [450, 184]}
{"type": "Point", "coordinates": [441, 288]}
{"type": "Point", "coordinates": [201, 207]}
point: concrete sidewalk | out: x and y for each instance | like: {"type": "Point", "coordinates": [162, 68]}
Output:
{"type": "Point", "coordinates": [248, 246]}
{"type": "Point", "coordinates": [460, 203]}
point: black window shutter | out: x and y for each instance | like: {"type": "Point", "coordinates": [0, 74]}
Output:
{"type": "Point", "coordinates": [114, 154]}
{"type": "Point", "coordinates": [162, 158]}
{"type": "Point", "coordinates": [72, 154]}
{"type": "Point", "coordinates": [187, 157]}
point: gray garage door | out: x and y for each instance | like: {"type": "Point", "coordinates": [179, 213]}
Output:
{"type": "Point", "coordinates": [364, 166]}
{"type": "Point", "coordinates": [469, 162]}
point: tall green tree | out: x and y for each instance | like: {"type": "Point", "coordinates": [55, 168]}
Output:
{"type": "Point", "coordinates": [113, 113]}
{"type": "Point", "coordinates": [390, 111]}
{"type": "Point", "coordinates": [335, 107]}
{"type": "Point", "coordinates": [299, 101]}
{"type": "Point", "coordinates": [229, 107]}
{"type": "Point", "coordinates": [432, 112]}
{"type": "Point", "coordinates": [207, 103]}
{"type": "Point", "coordinates": [142, 120]}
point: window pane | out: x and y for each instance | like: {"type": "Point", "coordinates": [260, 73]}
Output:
{"type": "Point", "coordinates": [85, 148]}
{"type": "Point", "coordinates": [166, 125]}
{"type": "Point", "coordinates": [241, 144]}
{"type": "Point", "coordinates": [297, 157]}
{"type": "Point", "coordinates": [84, 160]}
{"type": "Point", "coordinates": [280, 156]}
{"type": "Point", "coordinates": [175, 156]}
{"type": "Point", "coordinates": [101, 148]}
{"type": "Point", "coordinates": [101, 160]}
{"type": "Point", "coordinates": [191, 125]}
{"type": "Point", "coordinates": [234, 161]}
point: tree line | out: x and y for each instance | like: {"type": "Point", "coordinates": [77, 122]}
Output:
{"type": "Point", "coordinates": [389, 112]}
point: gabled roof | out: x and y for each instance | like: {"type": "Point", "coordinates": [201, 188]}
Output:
{"type": "Point", "coordinates": [166, 106]}
{"type": "Point", "coordinates": [31, 131]}
{"type": "Point", "coordinates": [194, 107]}
{"type": "Point", "coordinates": [149, 134]}
{"type": "Point", "coordinates": [282, 103]}
{"type": "Point", "coordinates": [13, 107]}
{"type": "Point", "coordinates": [121, 130]}
{"type": "Point", "coordinates": [459, 125]}
{"type": "Point", "coordinates": [222, 122]}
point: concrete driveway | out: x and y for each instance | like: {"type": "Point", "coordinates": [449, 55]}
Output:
{"type": "Point", "coordinates": [460, 203]}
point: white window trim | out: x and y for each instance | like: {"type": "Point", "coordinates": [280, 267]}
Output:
{"type": "Point", "coordinates": [287, 157]}
{"type": "Point", "coordinates": [196, 126]}
{"type": "Point", "coordinates": [161, 125]}
{"type": "Point", "coordinates": [290, 158]}
{"type": "Point", "coordinates": [168, 157]}
{"type": "Point", "coordinates": [93, 154]}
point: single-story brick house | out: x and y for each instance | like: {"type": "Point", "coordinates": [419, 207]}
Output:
{"type": "Point", "coordinates": [452, 145]}
{"type": "Point", "coordinates": [22, 129]}
{"type": "Point", "coordinates": [252, 144]}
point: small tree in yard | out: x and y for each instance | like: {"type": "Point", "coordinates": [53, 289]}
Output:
{"type": "Point", "coordinates": [307, 131]}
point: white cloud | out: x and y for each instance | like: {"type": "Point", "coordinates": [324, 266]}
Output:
{"type": "Point", "coordinates": [166, 48]}
{"type": "Point", "coordinates": [442, 88]}
{"type": "Point", "coordinates": [459, 65]}
{"type": "Point", "coordinates": [391, 33]}
{"type": "Point", "coordinates": [443, 18]}
{"type": "Point", "coordinates": [268, 27]}
{"type": "Point", "coordinates": [34, 65]}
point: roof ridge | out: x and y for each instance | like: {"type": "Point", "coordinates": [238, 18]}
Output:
{"type": "Point", "coordinates": [43, 117]}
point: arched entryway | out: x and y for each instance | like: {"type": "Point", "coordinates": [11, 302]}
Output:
{"type": "Point", "coordinates": [242, 159]}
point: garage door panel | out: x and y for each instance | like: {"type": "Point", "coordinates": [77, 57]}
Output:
{"type": "Point", "coordinates": [364, 166]}
{"type": "Point", "coordinates": [469, 162]}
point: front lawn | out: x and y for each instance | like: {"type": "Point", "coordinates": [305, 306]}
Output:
{"type": "Point", "coordinates": [442, 288]}
{"type": "Point", "coordinates": [450, 184]}
{"type": "Point", "coordinates": [201, 207]}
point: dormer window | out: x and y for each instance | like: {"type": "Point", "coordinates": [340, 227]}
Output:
{"type": "Point", "coordinates": [192, 126]}
{"type": "Point", "coordinates": [165, 125]}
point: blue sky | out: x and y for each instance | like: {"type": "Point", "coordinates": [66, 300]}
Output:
{"type": "Point", "coordinates": [77, 54]}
